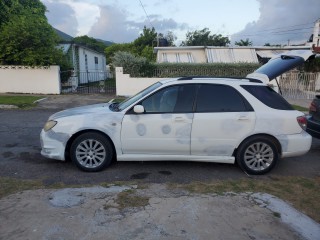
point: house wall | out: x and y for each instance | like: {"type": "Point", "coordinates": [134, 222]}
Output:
{"type": "Point", "coordinates": [23, 79]}
{"type": "Point", "coordinates": [127, 86]}
{"type": "Point", "coordinates": [93, 63]}
{"type": "Point", "coordinates": [172, 55]}
{"type": "Point", "coordinates": [91, 66]}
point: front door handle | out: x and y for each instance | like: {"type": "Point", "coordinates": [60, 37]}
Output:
{"type": "Point", "coordinates": [179, 119]}
{"type": "Point", "coordinates": [243, 118]}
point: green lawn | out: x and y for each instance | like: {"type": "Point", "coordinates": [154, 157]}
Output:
{"type": "Point", "coordinates": [19, 101]}
{"type": "Point", "coordinates": [299, 108]}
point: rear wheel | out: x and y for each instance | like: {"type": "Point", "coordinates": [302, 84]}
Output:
{"type": "Point", "coordinates": [91, 152]}
{"type": "Point", "coordinates": [257, 155]}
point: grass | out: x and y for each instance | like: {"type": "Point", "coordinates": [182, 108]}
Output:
{"type": "Point", "coordinates": [128, 198]}
{"type": "Point", "coordinates": [299, 108]}
{"type": "Point", "coordinates": [19, 101]}
{"type": "Point", "coordinates": [302, 193]}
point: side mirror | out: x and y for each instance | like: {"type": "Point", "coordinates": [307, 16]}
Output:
{"type": "Point", "coordinates": [138, 109]}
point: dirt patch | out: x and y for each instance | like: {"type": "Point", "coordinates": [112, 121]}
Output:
{"type": "Point", "coordinates": [165, 214]}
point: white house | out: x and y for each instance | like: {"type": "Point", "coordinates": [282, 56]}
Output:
{"type": "Point", "coordinates": [88, 64]}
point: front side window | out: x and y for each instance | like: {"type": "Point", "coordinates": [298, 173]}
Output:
{"type": "Point", "coordinates": [173, 99]}
{"type": "Point", "coordinates": [220, 98]}
{"type": "Point", "coordinates": [268, 96]}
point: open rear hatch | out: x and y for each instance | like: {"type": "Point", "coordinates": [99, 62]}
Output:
{"type": "Point", "coordinates": [281, 64]}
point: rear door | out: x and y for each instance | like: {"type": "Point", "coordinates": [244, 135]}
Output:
{"type": "Point", "coordinates": [222, 119]}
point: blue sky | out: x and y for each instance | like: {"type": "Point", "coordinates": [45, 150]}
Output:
{"type": "Point", "coordinates": [262, 21]}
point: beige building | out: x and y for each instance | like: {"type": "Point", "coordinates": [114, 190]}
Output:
{"type": "Point", "coordinates": [206, 54]}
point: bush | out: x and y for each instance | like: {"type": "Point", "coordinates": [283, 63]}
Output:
{"type": "Point", "coordinates": [131, 64]}
{"type": "Point", "coordinates": [164, 70]}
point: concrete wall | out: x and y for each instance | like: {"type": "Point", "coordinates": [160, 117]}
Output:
{"type": "Point", "coordinates": [127, 86]}
{"type": "Point", "coordinates": [23, 79]}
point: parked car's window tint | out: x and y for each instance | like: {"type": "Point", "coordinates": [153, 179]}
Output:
{"type": "Point", "coordinates": [174, 99]}
{"type": "Point", "coordinates": [219, 98]}
{"type": "Point", "coordinates": [268, 96]}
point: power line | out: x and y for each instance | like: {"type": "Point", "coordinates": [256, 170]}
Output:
{"type": "Point", "coordinates": [146, 13]}
{"type": "Point", "coordinates": [269, 31]}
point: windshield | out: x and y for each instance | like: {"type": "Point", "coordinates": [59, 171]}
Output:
{"type": "Point", "coordinates": [126, 103]}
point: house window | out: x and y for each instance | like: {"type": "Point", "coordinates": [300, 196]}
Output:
{"type": "Point", "coordinates": [96, 63]}
{"type": "Point", "coordinates": [164, 57]}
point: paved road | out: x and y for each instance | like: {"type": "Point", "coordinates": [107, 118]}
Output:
{"type": "Point", "coordinates": [20, 157]}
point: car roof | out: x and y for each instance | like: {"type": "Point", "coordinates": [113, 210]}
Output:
{"type": "Point", "coordinates": [207, 79]}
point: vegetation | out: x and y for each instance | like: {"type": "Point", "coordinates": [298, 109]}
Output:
{"type": "Point", "coordinates": [163, 70]}
{"type": "Point", "coordinates": [90, 42]}
{"type": "Point", "coordinates": [242, 42]}
{"type": "Point", "coordinates": [301, 192]}
{"type": "Point", "coordinates": [26, 36]}
{"type": "Point", "coordinates": [19, 101]}
{"type": "Point", "coordinates": [203, 38]}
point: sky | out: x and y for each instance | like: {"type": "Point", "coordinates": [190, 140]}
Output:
{"type": "Point", "coordinates": [261, 21]}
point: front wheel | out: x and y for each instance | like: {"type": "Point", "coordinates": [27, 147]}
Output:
{"type": "Point", "coordinates": [91, 152]}
{"type": "Point", "coordinates": [257, 155]}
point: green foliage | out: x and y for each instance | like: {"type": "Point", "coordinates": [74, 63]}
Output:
{"type": "Point", "coordinates": [203, 38]}
{"type": "Point", "coordinates": [312, 65]}
{"type": "Point", "coordinates": [242, 42]}
{"type": "Point", "coordinates": [90, 43]}
{"type": "Point", "coordinates": [18, 7]}
{"type": "Point", "coordinates": [272, 45]}
{"type": "Point", "coordinates": [26, 36]}
{"type": "Point", "coordinates": [147, 38]}
{"type": "Point", "coordinates": [170, 37]}
{"type": "Point", "coordinates": [164, 70]}
{"type": "Point", "coordinates": [132, 64]}
{"type": "Point", "coordinates": [122, 47]}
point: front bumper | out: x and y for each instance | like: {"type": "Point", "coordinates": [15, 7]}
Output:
{"type": "Point", "coordinates": [50, 147]}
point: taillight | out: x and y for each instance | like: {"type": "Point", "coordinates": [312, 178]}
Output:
{"type": "Point", "coordinates": [302, 120]}
{"type": "Point", "coordinates": [313, 107]}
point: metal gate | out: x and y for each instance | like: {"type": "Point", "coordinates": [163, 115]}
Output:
{"type": "Point", "coordinates": [87, 82]}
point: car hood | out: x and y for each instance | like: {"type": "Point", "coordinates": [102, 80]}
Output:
{"type": "Point", "coordinates": [281, 64]}
{"type": "Point", "coordinates": [89, 109]}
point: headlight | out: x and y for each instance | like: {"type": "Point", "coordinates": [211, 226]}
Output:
{"type": "Point", "coordinates": [50, 124]}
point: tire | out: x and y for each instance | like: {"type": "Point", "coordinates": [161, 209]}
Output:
{"type": "Point", "coordinates": [91, 152]}
{"type": "Point", "coordinates": [257, 155]}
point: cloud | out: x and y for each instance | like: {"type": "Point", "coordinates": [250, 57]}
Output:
{"type": "Point", "coordinates": [62, 17]}
{"type": "Point", "coordinates": [113, 25]}
{"type": "Point", "coordinates": [281, 21]}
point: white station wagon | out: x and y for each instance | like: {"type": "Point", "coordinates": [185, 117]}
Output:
{"type": "Point", "coordinates": [224, 120]}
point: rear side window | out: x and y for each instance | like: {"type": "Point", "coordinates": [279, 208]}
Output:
{"type": "Point", "coordinates": [220, 98]}
{"type": "Point", "coordinates": [268, 96]}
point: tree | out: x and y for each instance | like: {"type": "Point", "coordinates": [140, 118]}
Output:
{"type": "Point", "coordinates": [169, 37]}
{"type": "Point", "coordinates": [242, 42]}
{"type": "Point", "coordinates": [118, 47]}
{"type": "Point", "coordinates": [203, 38]}
{"type": "Point", "coordinates": [26, 36]}
{"type": "Point", "coordinates": [91, 43]}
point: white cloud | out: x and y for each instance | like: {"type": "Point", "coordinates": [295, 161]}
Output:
{"type": "Point", "coordinates": [282, 21]}
{"type": "Point", "coordinates": [62, 17]}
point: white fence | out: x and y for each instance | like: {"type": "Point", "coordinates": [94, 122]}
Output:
{"type": "Point", "coordinates": [34, 80]}
{"type": "Point", "coordinates": [293, 84]}
{"type": "Point", "coordinates": [127, 86]}
{"type": "Point", "coordinates": [300, 85]}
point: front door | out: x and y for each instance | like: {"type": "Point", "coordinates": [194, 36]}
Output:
{"type": "Point", "coordinates": [164, 127]}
